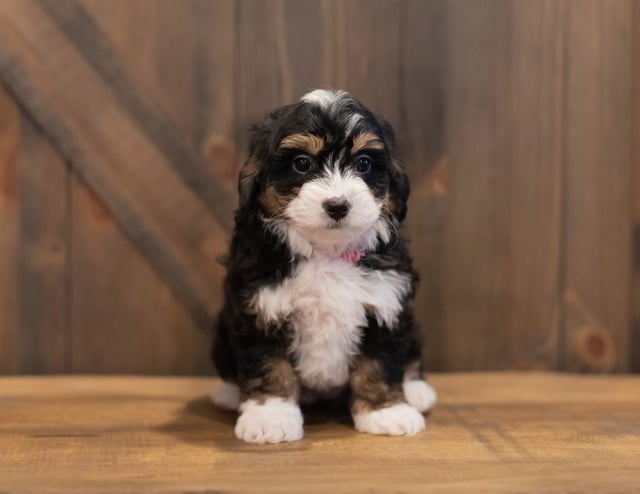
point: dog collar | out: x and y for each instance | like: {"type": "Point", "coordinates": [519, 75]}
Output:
{"type": "Point", "coordinates": [352, 256]}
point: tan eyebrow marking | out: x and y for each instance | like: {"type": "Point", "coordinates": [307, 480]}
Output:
{"type": "Point", "coordinates": [310, 143]}
{"type": "Point", "coordinates": [366, 140]}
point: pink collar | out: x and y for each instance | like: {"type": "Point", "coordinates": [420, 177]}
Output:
{"type": "Point", "coordinates": [352, 256]}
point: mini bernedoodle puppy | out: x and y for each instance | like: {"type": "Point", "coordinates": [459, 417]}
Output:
{"type": "Point", "coordinates": [319, 280]}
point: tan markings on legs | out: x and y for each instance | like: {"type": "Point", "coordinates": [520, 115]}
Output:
{"type": "Point", "coordinates": [369, 389]}
{"type": "Point", "coordinates": [278, 379]}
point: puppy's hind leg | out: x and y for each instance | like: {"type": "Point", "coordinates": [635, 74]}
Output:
{"type": "Point", "coordinates": [225, 393]}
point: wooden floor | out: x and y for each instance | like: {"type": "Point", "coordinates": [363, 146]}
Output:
{"type": "Point", "coordinates": [490, 433]}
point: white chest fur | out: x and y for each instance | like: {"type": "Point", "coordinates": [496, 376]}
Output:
{"type": "Point", "coordinates": [326, 302]}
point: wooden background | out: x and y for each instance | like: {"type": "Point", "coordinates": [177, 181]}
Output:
{"type": "Point", "coordinates": [123, 123]}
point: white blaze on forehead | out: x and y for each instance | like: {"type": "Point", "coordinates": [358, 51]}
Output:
{"type": "Point", "coordinates": [337, 183]}
{"type": "Point", "coordinates": [331, 101]}
{"type": "Point", "coordinates": [353, 121]}
{"type": "Point", "coordinates": [324, 98]}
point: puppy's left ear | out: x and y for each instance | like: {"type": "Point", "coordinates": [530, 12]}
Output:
{"type": "Point", "coordinates": [398, 180]}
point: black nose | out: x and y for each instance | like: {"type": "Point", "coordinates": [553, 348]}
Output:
{"type": "Point", "coordinates": [336, 208]}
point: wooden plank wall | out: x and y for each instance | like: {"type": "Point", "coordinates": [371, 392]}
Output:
{"type": "Point", "coordinates": [634, 340]}
{"type": "Point", "coordinates": [123, 124]}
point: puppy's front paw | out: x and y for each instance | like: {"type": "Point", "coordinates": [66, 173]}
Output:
{"type": "Point", "coordinates": [419, 395]}
{"type": "Point", "coordinates": [274, 421]}
{"type": "Point", "coordinates": [396, 420]}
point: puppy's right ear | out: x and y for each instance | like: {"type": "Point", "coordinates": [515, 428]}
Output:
{"type": "Point", "coordinates": [248, 180]}
{"type": "Point", "coordinates": [263, 140]}
{"type": "Point", "coordinates": [252, 170]}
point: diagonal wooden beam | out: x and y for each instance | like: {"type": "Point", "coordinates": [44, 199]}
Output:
{"type": "Point", "coordinates": [87, 121]}
{"type": "Point", "coordinates": [83, 32]}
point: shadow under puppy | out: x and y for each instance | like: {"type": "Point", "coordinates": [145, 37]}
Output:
{"type": "Point", "coordinates": [319, 278]}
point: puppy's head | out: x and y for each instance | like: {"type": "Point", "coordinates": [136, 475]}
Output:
{"type": "Point", "coordinates": [323, 174]}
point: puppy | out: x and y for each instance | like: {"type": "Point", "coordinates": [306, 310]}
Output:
{"type": "Point", "coordinates": [319, 278]}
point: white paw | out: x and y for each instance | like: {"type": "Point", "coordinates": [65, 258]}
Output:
{"type": "Point", "coordinates": [273, 421]}
{"type": "Point", "coordinates": [419, 395]}
{"type": "Point", "coordinates": [226, 396]}
{"type": "Point", "coordinates": [396, 420]}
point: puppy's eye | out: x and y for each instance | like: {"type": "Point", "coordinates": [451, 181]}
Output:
{"type": "Point", "coordinates": [301, 164]}
{"type": "Point", "coordinates": [363, 165]}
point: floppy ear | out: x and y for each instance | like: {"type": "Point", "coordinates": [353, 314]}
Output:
{"type": "Point", "coordinates": [251, 171]}
{"type": "Point", "coordinates": [398, 190]}
{"type": "Point", "coordinates": [398, 180]}
{"type": "Point", "coordinates": [263, 139]}
{"type": "Point", "coordinates": [248, 180]}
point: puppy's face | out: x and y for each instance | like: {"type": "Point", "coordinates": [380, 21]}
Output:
{"type": "Point", "coordinates": [324, 176]}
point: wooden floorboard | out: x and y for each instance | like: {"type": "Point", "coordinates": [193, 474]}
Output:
{"type": "Point", "coordinates": [493, 433]}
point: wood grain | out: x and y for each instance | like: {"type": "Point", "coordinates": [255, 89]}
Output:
{"type": "Point", "coordinates": [173, 229]}
{"type": "Point", "coordinates": [366, 52]}
{"type": "Point", "coordinates": [124, 318]}
{"type": "Point", "coordinates": [9, 231]}
{"type": "Point", "coordinates": [597, 258]}
{"type": "Point", "coordinates": [421, 137]}
{"type": "Point", "coordinates": [212, 106]}
{"type": "Point", "coordinates": [43, 257]}
{"type": "Point", "coordinates": [121, 304]}
{"type": "Point", "coordinates": [504, 118]}
{"type": "Point", "coordinates": [256, 72]}
{"type": "Point", "coordinates": [524, 433]}
{"type": "Point", "coordinates": [34, 295]}
{"type": "Point", "coordinates": [634, 344]}
{"type": "Point", "coordinates": [518, 123]}
{"type": "Point", "coordinates": [83, 32]}
{"type": "Point", "coordinates": [108, 271]}
{"type": "Point", "coordinates": [305, 46]}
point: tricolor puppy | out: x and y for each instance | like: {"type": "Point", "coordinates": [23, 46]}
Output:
{"type": "Point", "coordinates": [319, 278]}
